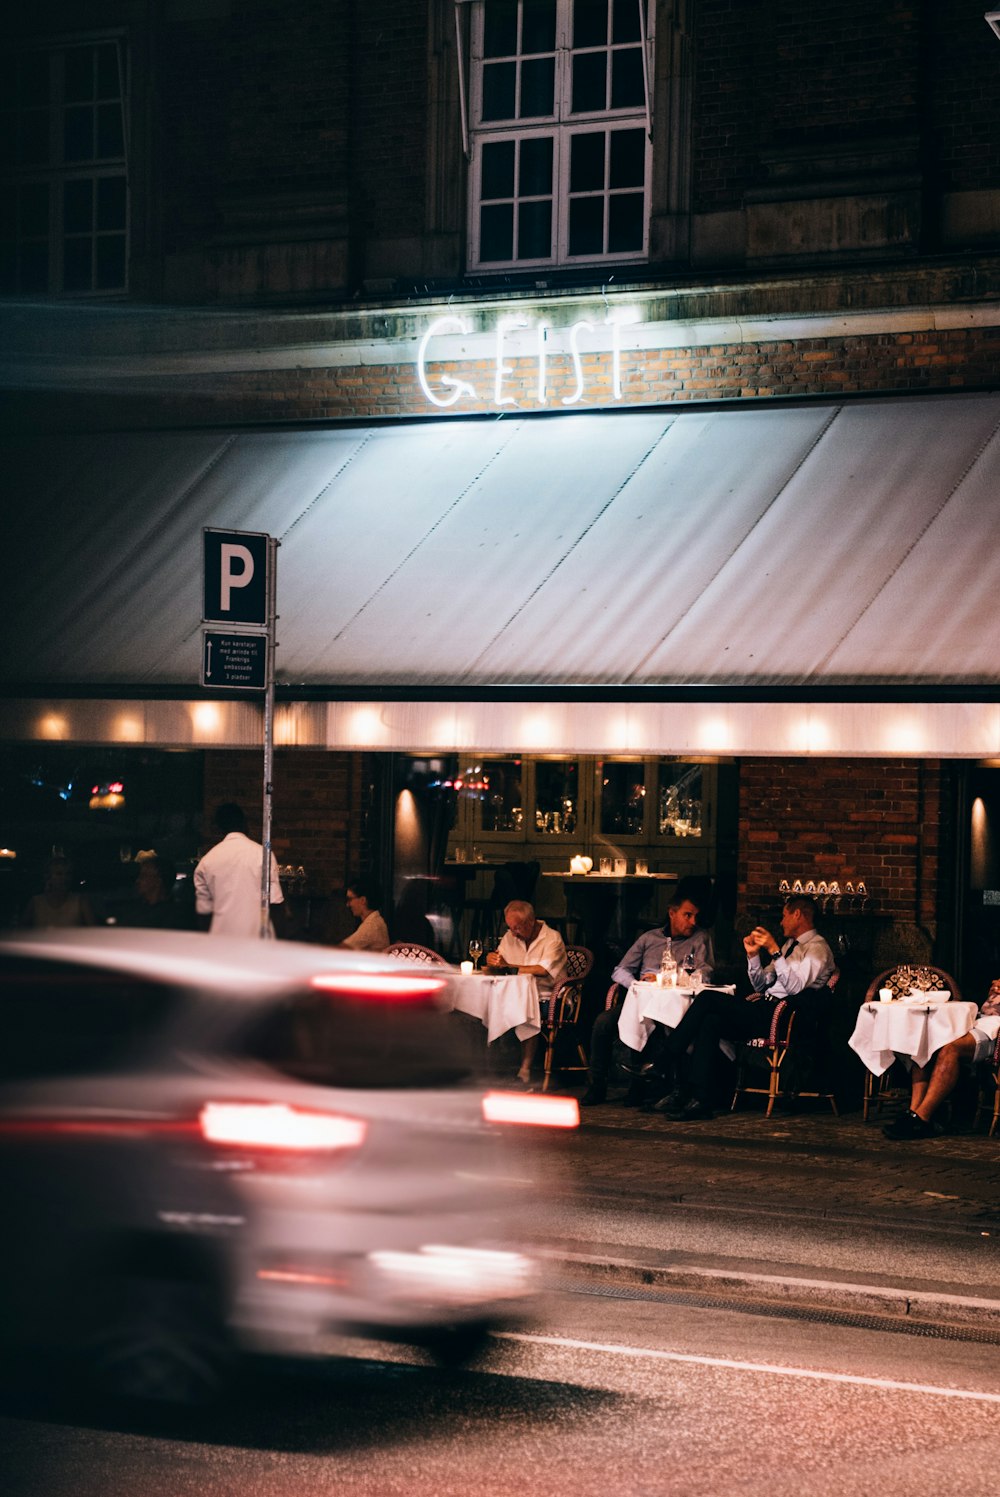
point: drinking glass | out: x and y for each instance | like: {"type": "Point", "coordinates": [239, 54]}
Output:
{"type": "Point", "coordinates": [475, 951]}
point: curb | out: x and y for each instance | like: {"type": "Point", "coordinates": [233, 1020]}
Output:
{"type": "Point", "coordinates": [948, 1304]}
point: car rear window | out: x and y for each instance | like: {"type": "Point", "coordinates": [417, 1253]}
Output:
{"type": "Point", "coordinates": [60, 1018]}
{"type": "Point", "coordinates": [337, 1040]}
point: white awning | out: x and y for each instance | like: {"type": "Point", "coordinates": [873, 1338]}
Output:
{"type": "Point", "coordinates": [756, 549]}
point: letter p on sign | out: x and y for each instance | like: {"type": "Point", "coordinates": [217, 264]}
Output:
{"type": "Point", "coordinates": [235, 577]}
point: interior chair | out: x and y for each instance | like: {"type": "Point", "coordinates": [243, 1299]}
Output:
{"type": "Point", "coordinates": [410, 951]}
{"type": "Point", "coordinates": [878, 1088]}
{"type": "Point", "coordinates": [780, 1052]}
{"type": "Point", "coordinates": [511, 880]}
{"type": "Point", "coordinates": [563, 1019]}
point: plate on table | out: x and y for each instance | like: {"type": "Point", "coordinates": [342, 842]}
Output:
{"type": "Point", "coordinates": [935, 995]}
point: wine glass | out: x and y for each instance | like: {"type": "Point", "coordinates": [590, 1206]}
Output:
{"type": "Point", "coordinates": [475, 951]}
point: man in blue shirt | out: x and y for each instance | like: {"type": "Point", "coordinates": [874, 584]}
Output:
{"type": "Point", "coordinates": [691, 949]}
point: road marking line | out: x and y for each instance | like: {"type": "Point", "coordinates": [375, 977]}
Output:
{"type": "Point", "coordinates": [807, 1372]}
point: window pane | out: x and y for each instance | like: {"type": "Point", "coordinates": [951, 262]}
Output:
{"type": "Point", "coordinates": [76, 264]}
{"type": "Point", "coordinates": [538, 26]}
{"type": "Point", "coordinates": [556, 801]}
{"type": "Point", "coordinates": [680, 799]}
{"type": "Point", "coordinates": [538, 83]}
{"type": "Point", "coordinates": [534, 231]}
{"type": "Point", "coordinates": [34, 138]}
{"type": "Point", "coordinates": [78, 134]}
{"type": "Point", "coordinates": [500, 28]}
{"type": "Point", "coordinates": [110, 141]}
{"type": "Point", "coordinates": [501, 798]}
{"type": "Point", "coordinates": [590, 23]}
{"type": "Point", "coordinates": [110, 262]}
{"type": "Point", "coordinates": [34, 209]}
{"type": "Point", "coordinates": [33, 82]}
{"type": "Point", "coordinates": [626, 216]}
{"type": "Point", "coordinates": [78, 207]}
{"type": "Point", "coordinates": [586, 170]}
{"type": "Point", "coordinates": [535, 168]}
{"type": "Point", "coordinates": [590, 82]}
{"type": "Point", "coordinates": [627, 88]}
{"type": "Point", "coordinates": [108, 81]}
{"type": "Point", "coordinates": [499, 80]}
{"type": "Point", "coordinates": [586, 226]}
{"type": "Point", "coordinates": [496, 232]}
{"type": "Point", "coordinates": [79, 83]}
{"type": "Point", "coordinates": [111, 203]}
{"type": "Point", "coordinates": [625, 26]}
{"type": "Point", "coordinates": [628, 158]}
{"type": "Point", "coordinates": [623, 798]}
{"type": "Point", "coordinates": [33, 272]}
{"type": "Point", "coordinates": [498, 170]}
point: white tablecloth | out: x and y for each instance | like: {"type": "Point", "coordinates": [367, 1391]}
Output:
{"type": "Point", "coordinates": [501, 1003]}
{"type": "Point", "coordinates": [646, 1004]}
{"type": "Point", "coordinates": [912, 1031]}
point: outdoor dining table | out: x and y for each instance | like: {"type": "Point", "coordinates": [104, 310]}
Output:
{"type": "Point", "coordinates": [647, 1004]}
{"type": "Point", "coordinates": [499, 1003]}
{"type": "Point", "coordinates": [911, 1029]}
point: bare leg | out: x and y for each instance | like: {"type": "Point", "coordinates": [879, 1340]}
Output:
{"type": "Point", "coordinates": [944, 1075]}
{"type": "Point", "coordinates": [528, 1048]}
{"type": "Point", "coordinates": [919, 1077]}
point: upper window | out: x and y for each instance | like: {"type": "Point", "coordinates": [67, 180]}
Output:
{"type": "Point", "coordinates": [559, 139]}
{"type": "Point", "coordinates": [64, 184]}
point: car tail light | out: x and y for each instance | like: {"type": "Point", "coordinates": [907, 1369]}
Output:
{"type": "Point", "coordinates": [542, 1112]}
{"type": "Point", "coordinates": [401, 987]}
{"type": "Point", "coordinates": [275, 1126]}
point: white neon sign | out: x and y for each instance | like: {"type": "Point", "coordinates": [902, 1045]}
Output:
{"type": "Point", "coordinates": [448, 390]}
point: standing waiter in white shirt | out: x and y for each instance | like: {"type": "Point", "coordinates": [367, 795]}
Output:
{"type": "Point", "coordinates": [227, 881]}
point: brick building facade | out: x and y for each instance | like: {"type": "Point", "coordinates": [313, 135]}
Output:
{"type": "Point", "coordinates": [309, 196]}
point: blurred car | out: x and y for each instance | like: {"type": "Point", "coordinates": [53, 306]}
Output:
{"type": "Point", "coordinates": [210, 1147]}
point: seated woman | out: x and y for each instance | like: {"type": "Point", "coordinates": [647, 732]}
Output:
{"type": "Point", "coordinates": [931, 1084]}
{"type": "Point", "coordinates": [363, 900]}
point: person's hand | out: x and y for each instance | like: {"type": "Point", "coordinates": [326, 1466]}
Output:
{"type": "Point", "coordinates": [648, 977]}
{"type": "Point", "coordinates": [765, 940]}
{"type": "Point", "coordinates": [493, 959]}
{"type": "Point", "coordinates": [750, 944]}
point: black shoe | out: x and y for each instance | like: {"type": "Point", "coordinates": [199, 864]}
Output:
{"type": "Point", "coordinates": [673, 1102]}
{"type": "Point", "coordinates": [909, 1125]}
{"type": "Point", "coordinates": [638, 1070]}
{"type": "Point", "coordinates": [692, 1112]}
{"type": "Point", "coordinates": [595, 1094]}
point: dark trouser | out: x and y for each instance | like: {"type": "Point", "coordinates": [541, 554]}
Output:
{"type": "Point", "coordinates": [602, 1042]}
{"type": "Point", "coordinates": [712, 1017]}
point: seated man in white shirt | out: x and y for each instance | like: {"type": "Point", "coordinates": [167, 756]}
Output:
{"type": "Point", "coordinates": [536, 950]}
{"type": "Point", "coordinates": [932, 1084]}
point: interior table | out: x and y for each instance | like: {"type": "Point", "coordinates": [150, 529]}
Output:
{"type": "Point", "coordinates": [608, 905]}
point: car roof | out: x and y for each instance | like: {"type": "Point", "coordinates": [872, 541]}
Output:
{"type": "Point", "coordinates": [225, 965]}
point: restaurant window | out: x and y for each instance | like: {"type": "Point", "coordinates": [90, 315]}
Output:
{"type": "Point", "coordinates": [559, 131]}
{"type": "Point", "coordinates": [64, 188]}
{"type": "Point", "coordinates": [680, 799]}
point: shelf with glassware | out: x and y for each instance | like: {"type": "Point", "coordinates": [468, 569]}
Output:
{"type": "Point", "coordinates": [652, 814]}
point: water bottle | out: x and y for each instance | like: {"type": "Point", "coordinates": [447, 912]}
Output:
{"type": "Point", "coordinates": [668, 966]}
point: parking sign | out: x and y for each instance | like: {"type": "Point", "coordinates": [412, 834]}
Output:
{"type": "Point", "coordinates": [235, 577]}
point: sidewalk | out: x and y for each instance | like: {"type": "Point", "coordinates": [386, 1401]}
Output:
{"type": "Point", "coordinates": [819, 1189]}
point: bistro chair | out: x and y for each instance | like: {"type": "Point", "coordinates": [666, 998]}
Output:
{"type": "Point", "coordinates": [780, 1054]}
{"type": "Point", "coordinates": [990, 1077]}
{"type": "Point", "coordinates": [563, 1016]}
{"type": "Point", "coordinates": [902, 975]}
{"type": "Point", "coordinates": [410, 951]}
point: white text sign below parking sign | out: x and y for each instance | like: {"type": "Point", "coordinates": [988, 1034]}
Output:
{"type": "Point", "coordinates": [235, 577]}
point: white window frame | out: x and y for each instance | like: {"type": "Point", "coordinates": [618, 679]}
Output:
{"type": "Point", "coordinates": [58, 171]}
{"type": "Point", "coordinates": [562, 125]}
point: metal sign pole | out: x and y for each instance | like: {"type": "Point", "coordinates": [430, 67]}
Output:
{"type": "Point", "coordinates": [265, 877]}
